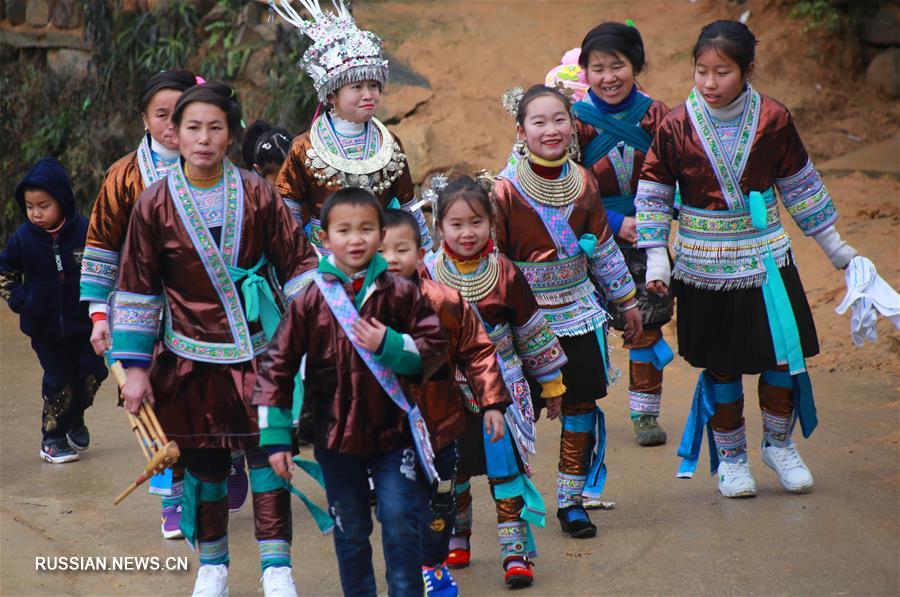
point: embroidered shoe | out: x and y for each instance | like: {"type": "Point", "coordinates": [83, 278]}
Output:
{"type": "Point", "coordinates": [238, 483]}
{"type": "Point", "coordinates": [792, 471]}
{"type": "Point", "coordinates": [736, 480]}
{"type": "Point", "coordinates": [277, 581]}
{"type": "Point", "coordinates": [575, 521]}
{"type": "Point", "coordinates": [171, 522]}
{"type": "Point", "coordinates": [648, 431]}
{"type": "Point", "coordinates": [58, 451]}
{"type": "Point", "coordinates": [439, 582]}
{"type": "Point", "coordinates": [212, 581]}
{"type": "Point", "coordinates": [79, 438]}
{"type": "Point", "coordinates": [519, 573]}
{"type": "Point", "coordinates": [459, 556]}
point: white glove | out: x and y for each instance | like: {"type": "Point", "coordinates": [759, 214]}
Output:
{"type": "Point", "coordinates": [837, 249]}
{"type": "Point", "coordinates": [658, 267]}
{"type": "Point", "coordinates": [868, 295]}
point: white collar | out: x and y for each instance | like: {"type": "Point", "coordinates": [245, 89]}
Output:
{"type": "Point", "coordinates": [347, 128]}
{"type": "Point", "coordinates": [730, 112]}
{"type": "Point", "coordinates": [161, 150]}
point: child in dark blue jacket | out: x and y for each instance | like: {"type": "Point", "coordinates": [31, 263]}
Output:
{"type": "Point", "coordinates": [39, 277]}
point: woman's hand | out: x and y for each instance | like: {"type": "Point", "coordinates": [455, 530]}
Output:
{"type": "Point", "coordinates": [494, 424]}
{"type": "Point", "coordinates": [554, 407]}
{"type": "Point", "coordinates": [658, 287]}
{"type": "Point", "coordinates": [628, 231]}
{"type": "Point", "coordinates": [100, 337]}
{"type": "Point", "coordinates": [634, 324]}
{"type": "Point", "coordinates": [282, 463]}
{"type": "Point", "coordinates": [369, 334]}
{"type": "Point", "coordinates": [136, 389]}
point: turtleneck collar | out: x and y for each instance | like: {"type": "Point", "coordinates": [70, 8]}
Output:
{"type": "Point", "coordinates": [730, 112]}
{"type": "Point", "coordinates": [346, 128]}
{"type": "Point", "coordinates": [609, 108]}
{"type": "Point", "coordinates": [161, 150]}
{"type": "Point", "coordinates": [548, 172]}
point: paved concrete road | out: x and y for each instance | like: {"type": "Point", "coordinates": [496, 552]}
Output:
{"type": "Point", "coordinates": [667, 536]}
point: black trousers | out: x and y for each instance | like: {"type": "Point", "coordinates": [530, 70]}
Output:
{"type": "Point", "coordinates": [72, 376]}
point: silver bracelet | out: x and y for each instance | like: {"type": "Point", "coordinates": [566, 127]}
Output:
{"type": "Point", "coordinates": [624, 309]}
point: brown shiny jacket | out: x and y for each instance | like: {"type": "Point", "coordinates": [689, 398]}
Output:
{"type": "Point", "coordinates": [677, 155]}
{"type": "Point", "coordinates": [603, 170]}
{"type": "Point", "coordinates": [344, 407]}
{"type": "Point", "coordinates": [159, 257]}
{"type": "Point", "coordinates": [296, 181]}
{"type": "Point", "coordinates": [109, 217]}
{"type": "Point", "coordinates": [470, 351]}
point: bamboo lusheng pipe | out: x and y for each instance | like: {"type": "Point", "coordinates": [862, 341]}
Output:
{"type": "Point", "coordinates": [159, 451]}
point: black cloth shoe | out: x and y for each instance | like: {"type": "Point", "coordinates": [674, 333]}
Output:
{"type": "Point", "coordinates": [575, 521]}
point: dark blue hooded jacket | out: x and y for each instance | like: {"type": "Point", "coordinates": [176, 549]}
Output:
{"type": "Point", "coordinates": [39, 275]}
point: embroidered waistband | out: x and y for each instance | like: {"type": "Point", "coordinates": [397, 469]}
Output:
{"type": "Point", "coordinates": [558, 282]}
{"type": "Point", "coordinates": [722, 250]}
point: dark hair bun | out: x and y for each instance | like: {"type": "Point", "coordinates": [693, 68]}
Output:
{"type": "Point", "coordinates": [179, 80]}
{"type": "Point", "coordinates": [216, 93]}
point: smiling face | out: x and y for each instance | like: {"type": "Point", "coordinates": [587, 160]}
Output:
{"type": "Point", "coordinates": [547, 128]}
{"type": "Point", "coordinates": [203, 137]}
{"type": "Point", "coordinates": [353, 235]}
{"type": "Point", "coordinates": [158, 117]}
{"type": "Point", "coordinates": [42, 209]}
{"type": "Point", "coordinates": [400, 250]}
{"type": "Point", "coordinates": [465, 228]}
{"type": "Point", "coordinates": [356, 102]}
{"type": "Point", "coordinates": [610, 75]}
{"type": "Point", "coordinates": [718, 78]}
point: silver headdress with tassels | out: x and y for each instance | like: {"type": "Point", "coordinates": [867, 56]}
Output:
{"type": "Point", "coordinates": [341, 52]}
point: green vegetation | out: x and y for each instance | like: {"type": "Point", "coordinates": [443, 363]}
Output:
{"type": "Point", "coordinates": [88, 124]}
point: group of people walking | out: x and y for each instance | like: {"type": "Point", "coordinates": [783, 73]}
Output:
{"type": "Point", "coordinates": [306, 299]}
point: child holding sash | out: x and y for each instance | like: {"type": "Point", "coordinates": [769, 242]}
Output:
{"type": "Point", "coordinates": [501, 298]}
{"type": "Point", "coordinates": [741, 306]}
{"type": "Point", "coordinates": [615, 123]}
{"type": "Point", "coordinates": [368, 336]}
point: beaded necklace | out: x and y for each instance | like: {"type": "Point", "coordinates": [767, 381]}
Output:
{"type": "Point", "coordinates": [472, 287]}
{"type": "Point", "coordinates": [555, 193]}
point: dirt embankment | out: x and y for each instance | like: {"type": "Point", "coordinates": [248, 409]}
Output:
{"type": "Point", "coordinates": [471, 52]}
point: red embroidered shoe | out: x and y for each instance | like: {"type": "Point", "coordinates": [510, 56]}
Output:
{"type": "Point", "coordinates": [519, 572]}
{"type": "Point", "coordinates": [459, 557]}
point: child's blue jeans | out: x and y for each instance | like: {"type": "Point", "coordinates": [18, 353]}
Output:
{"type": "Point", "coordinates": [398, 491]}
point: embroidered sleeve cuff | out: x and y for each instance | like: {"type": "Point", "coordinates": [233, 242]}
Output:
{"type": "Point", "coordinates": [295, 285]}
{"type": "Point", "coordinates": [539, 348]}
{"type": "Point", "coordinates": [653, 216]}
{"type": "Point", "coordinates": [553, 388]}
{"type": "Point", "coordinates": [611, 273]}
{"type": "Point", "coordinates": [399, 352]}
{"type": "Point", "coordinates": [807, 200]}
{"type": "Point", "coordinates": [135, 325]}
{"type": "Point", "coordinates": [658, 267]}
{"type": "Point", "coordinates": [99, 272]}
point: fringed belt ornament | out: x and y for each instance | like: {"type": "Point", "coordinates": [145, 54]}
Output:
{"type": "Point", "coordinates": [724, 249]}
{"type": "Point", "coordinates": [558, 282]}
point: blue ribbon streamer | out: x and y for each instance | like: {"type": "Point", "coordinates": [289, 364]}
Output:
{"type": "Point", "coordinates": [706, 395]}
{"type": "Point", "coordinates": [660, 354]}
{"type": "Point", "coordinates": [612, 130]}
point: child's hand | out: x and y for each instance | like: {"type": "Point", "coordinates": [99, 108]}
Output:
{"type": "Point", "coordinates": [628, 231]}
{"type": "Point", "coordinates": [100, 337]}
{"type": "Point", "coordinates": [494, 424]}
{"type": "Point", "coordinates": [634, 325]}
{"type": "Point", "coordinates": [282, 464]}
{"type": "Point", "coordinates": [136, 389]}
{"type": "Point", "coordinates": [554, 406]}
{"type": "Point", "coordinates": [369, 334]}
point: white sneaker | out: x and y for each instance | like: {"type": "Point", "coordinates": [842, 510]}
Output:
{"type": "Point", "coordinates": [278, 582]}
{"type": "Point", "coordinates": [791, 469]}
{"type": "Point", "coordinates": [212, 581]}
{"type": "Point", "coordinates": [736, 480]}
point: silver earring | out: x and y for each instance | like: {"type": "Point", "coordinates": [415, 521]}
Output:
{"type": "Point", "coordinates": [520, 147]}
